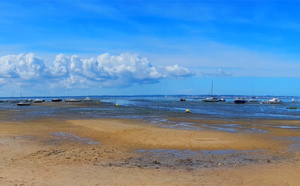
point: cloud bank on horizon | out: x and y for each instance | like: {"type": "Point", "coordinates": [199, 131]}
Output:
{"type": "Point", "coordinates": [106, 70]}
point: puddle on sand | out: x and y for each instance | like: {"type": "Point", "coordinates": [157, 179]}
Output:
{"type": "Point", "coordinates": [183, 126]}
{"type": "Point", "coordinates": [182, 153]}
{"type": "Point", "coordinates": [295, 146]}
{"type": "Point", "coordinates": [255, 130]}
{"type": "Point", "coordinates": [295, 139]}
{"type": "Point", "coordinates": [224, 129]}
{"type": "Point", "coordinates": [198, 159]}
{"type": "Point", "coordinates": [216, 152]}
{"type": "Point", "coordinates": [221, 128]}
{"type": "Point", "coordinates": [231, 128]}
{"type": "Point", "coordinates": [72, 137]}
{"type": "Point", "coordinates": [289, 127]}
{"type": "Point", "coordinates": [234, 128]}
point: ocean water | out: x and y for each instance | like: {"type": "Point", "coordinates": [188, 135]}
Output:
{"type": "Point", "coordinates": [153, 108]}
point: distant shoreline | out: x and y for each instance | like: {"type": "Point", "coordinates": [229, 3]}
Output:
{"type": "Point", "coordinates": [153, 96]}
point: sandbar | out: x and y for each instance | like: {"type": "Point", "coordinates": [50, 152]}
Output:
{"type": "Point", "coordinates": [106, 151]}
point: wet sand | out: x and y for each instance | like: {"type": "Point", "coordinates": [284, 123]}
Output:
{"type": "Point", "coordinates": [137, 152]}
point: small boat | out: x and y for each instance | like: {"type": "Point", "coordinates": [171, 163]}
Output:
{"type": "Point", "coordinates": [212, 98]}
{"type": "Point", "coordinates": [56, 100]}
{"type": "Point", "coordinates": [240, 101]}
{"type": "Point", "coordinates": [222, 100]}
{"type": "Point", "coordinates": [22, 103]}
{"type": "Point", "coordinates": [293, 100]}
{"type": "Point", "coordinates": [182, 99]}
{"type": "Point", "coordinates": [253, 100]}
{"type": "Point", "coordinates": [87, 99]}
{"type": "Point", "coordinates": [38, 101]}
{"type": "Point", "coordinates": [275, 101]}
{"type": "Point", "coordinates": [264, 102]}
{"type": "Point", "coordinates": [72, 100]}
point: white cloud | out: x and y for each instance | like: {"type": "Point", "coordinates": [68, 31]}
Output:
{"type": "Point", "coordinates": [72, 71]}
{"type": "Point", "coordinates": [23, 66]}
{"type": "Point", "coordinates": [59, 66]}
{"type": "Point", "coordinates": [219, 73]}
{"type": "Point", "coordinates": [177, 71]}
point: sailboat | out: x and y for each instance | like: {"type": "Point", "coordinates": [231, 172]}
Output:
{"type": "Point", "coordinates": [239, 100]}
{"type": "Point", "coordinates": [212, 98]}
{"type": "Point", "coordinates": [13, 100]}
{"type": "Point", "coordinates": [39, 100]}
{"type": "Point", "coordinates": [88, 99]}
{"type": "Point", "coordinates": [253, 100]}
{"type": "Point", "coordinates": [56, 100]}
{"type": "Point", "coordinates": [23, 103]}
{"type": "Point", "coordinates": [293, 100]}
{"type": "Point", "coordinates": [71, 100]}
{"type": "Point", "coordinates": [275, 101]}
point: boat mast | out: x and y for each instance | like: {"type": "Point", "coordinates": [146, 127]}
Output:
{"type": "Point", "coordinates": [212, 88]}
{"type": "Point", "coordinates": [21, 91]}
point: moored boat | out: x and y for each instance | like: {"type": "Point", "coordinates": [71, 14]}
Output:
{"type": "Point", "coordinates": [22, 103]}
{"type": "Point", "coordinates": [253, 100]}
{"type": "Point", "coordinates": [240, 101]}
{"type": "Point", "coordinates": [56, 100]}
{"type": "Point", "coordinates": [87, 99]}
{"type": "Point", "coordinates": [38, 101]}
{"type": "Point", "coordinates": [210, 99]}
{"type": "Point", "coordinates": [264, 102]}
{"type": "Point", "coordinates": [275, 101]}
{"type": "Point", "coordinates": [222, 100]}
{"type": "Point", "coordinates": [72, 100]}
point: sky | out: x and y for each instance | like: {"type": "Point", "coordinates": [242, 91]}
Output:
{"type": "Point", "coordinates": [135, 47]}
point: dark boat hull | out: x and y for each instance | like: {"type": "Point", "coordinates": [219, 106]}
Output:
{"type": "Point", "coordinates": [56, 100]}
{"type": "Point", "coordinates": [72, 100]}
{"type": "Point", "coordinates": [240, 101]}
{"type": "Point", "coordinates": [23, 104]}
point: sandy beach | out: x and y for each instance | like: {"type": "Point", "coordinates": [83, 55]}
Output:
{"type": "Point", "coordinates": [149, 93]}
{"type": "Point", "coordinates": [52, 151]}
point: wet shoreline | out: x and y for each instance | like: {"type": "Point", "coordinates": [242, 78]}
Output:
{"type": "Point", "coordinates": [43, 137]}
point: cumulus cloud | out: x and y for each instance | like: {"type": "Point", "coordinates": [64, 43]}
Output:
{"type": "Point", "coordinates": [219, 73]}
{"type": "Point", "coordinates": [177, 71]}
{"type": "Point", "coordinates": [23, 66]}
{"type": "Point", "coordinates": [72, 71]}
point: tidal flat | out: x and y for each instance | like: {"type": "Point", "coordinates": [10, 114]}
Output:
{"type": "Point", "coordinates": [69, 148]}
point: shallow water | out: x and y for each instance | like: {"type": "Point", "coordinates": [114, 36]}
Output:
{"type": "Point", "coordinates": [156, 110]}
{"type": "Point", "coordinates": [72, 137]}
{"type": "Point", "coordinates": [199, 159]}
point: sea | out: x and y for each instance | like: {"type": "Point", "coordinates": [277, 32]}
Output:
{"type": "Point", "coordinates": [154, 108]}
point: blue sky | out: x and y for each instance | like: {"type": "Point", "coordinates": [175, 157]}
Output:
{"type": "Point", "coordinates": [149, 47]}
